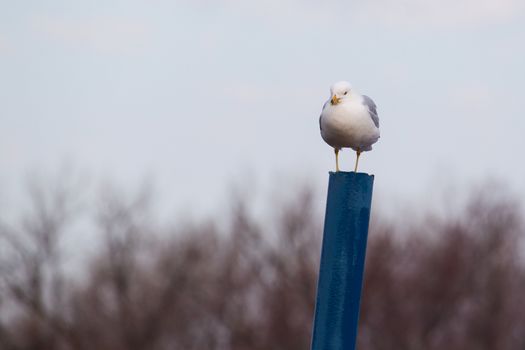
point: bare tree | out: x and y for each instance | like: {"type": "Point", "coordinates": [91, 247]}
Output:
{"type": "Point", "coordinates": [454, 282]}
{"type": "Point", "coordinates": [31, 279]}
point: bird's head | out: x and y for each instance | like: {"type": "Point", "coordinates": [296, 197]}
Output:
{"type": "Point", "coordinates": [340, 91]}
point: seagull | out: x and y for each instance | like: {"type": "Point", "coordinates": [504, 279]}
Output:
{"type": "Point", "coordinates": [349, 120]}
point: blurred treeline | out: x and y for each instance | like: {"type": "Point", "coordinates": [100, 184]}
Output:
{"type": "Point", "coordinates": [452, 281]}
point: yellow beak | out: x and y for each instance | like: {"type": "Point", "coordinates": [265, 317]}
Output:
{"type": "Point", "coordinates": [335, 100]}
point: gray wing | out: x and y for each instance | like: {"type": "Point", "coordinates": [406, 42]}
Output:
{"type": "Point", "coordinates": [320, 127]}
{"type": "Point", "coordinates": [372, 108]}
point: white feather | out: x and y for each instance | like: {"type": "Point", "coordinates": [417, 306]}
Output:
{"type": "Point", "coordinates": [348, 124]}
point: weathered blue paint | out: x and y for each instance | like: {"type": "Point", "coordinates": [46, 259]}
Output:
{"type": "Point", "coordinates": [342, 261]}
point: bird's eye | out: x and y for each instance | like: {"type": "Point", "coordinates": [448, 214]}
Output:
{"type": "Point", "coordinates": [346, 92]}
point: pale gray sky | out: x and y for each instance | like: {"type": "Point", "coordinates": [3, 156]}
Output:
{"type": "Point", "coordinates": [203, 94]}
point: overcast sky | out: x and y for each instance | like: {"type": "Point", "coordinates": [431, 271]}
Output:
{"type": "Point", "coordinates": [200, 95]}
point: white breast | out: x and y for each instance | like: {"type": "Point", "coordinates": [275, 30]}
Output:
{"type": "Point", "coordinates": [348, 124]}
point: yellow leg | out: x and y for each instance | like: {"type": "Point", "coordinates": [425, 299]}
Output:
{"type": "Point", "coordinates": [357, 159]}
{"type": "Point", "coordinates": [336, 150]}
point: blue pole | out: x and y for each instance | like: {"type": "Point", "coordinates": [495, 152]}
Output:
{"type": "Point", "coordinates": [342, 261]}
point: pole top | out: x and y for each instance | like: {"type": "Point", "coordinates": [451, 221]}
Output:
{"type": "Point", "coordinates": [349, 174]}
